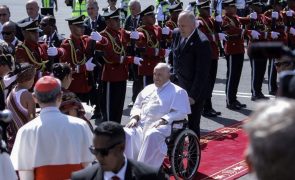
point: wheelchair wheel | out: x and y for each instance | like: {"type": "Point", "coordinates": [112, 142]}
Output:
{"type": "Point", "coordinates": [185, 155]}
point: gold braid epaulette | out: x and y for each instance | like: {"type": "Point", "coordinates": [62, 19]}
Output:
{"type": "Point", "coordinates": [120, 49]}
{"type": "Point", "coordinates": [41, 64]}
{"type": "Point", "coordinates": [150, 42]}
{"type": "Point", "coordinates": [74, 55]}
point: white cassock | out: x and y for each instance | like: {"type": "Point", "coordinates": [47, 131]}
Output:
{"type": "Point", "coordinates": [144, 142]}
{"type": "Point", "coordinates": [6, 169]}
{"type": "Point", "coordinates": [51, 139]}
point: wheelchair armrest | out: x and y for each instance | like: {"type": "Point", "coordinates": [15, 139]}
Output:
{"type": "Point", "coordinates": [178, 122]}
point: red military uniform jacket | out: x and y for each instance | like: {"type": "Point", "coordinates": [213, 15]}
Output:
{"type": "Point", "coordinates": [231, 26]}
{"type": "Point", "coordinates": [76, 52]}
{"type": "Point", "coordinates": [289, 22]}
{"type": "Point", "coordinates": [115, 68]}
{"type": "Point", "coordinates": [33, 53]}
{"type": "Point", "coordinates": [279, 26]}
{"type": "Point", "coordinates": [209, 29]}
{"type": "Point", "coordinates": [171, 24]}
{"type": "Point", "coordinates": [153, 53]}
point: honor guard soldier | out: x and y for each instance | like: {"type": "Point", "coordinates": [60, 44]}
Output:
{"type": "Point", "coordinates": [275, 23]}
{"type": "Point", "coordinates": [234, 53]}
{"type": "Point", "coordinates": [289, 20]}
{"type": "Point", "coordinates": [115, 70]}
{"type": "Point", "coordinates": [209, 27]}
{"type": "Point", "coordinates": [153, 53]}
{"type": "Point", "coordinates": [174, 11]}
{"type": "Point", "coordinates": [257, 32]}
{"type": "Point", "coordinates": [38, 54]}
{"type": "Point", "coordinates": [79, 51]}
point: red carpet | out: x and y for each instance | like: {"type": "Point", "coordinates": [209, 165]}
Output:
{"type": "Point", "coordinates": [222, 154]}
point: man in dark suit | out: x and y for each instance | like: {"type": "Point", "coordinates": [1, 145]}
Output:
{"type": "Point", "coordinates": [94, 21]}
{"type": "Point", "coordinates": [191, 64]}
{"type": "Point", "coordinates": [108, 147]}
{"type": "Point", "coordinates": [32, 8]}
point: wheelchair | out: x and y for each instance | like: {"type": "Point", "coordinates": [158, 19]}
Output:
{"type": "Point", "coordinates": [184, 152]}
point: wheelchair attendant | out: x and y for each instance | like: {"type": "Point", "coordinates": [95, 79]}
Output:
{"type": "Point", "coordinates": [155, 108]}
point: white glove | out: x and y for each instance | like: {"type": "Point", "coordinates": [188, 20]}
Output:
{"type": "Point", "coordinates": [198, 23]}
{"type": "Point", "coordinates": [218, 18]}
{"type": "Point", "coordinates": [292, 31]}
{"type": "Point", "coordinates": [222, 36]}
{"type": "Point", "coordinates": [255, 34]}
{"type": "Point", "coordinates": [275, 15]}
{"type": "Point", "coordinates": [165, 30]}
{"type": "Point", "coordinates": [52, 51]}
{"type": "Point", "coordinates": [253, 15]}
{"type": "Point", "coordinates": [274, 35]}
{"type": "Point", "coordinates": [8, 80]}
{"type": "Point", "coordinates": [95, 36]}
{"type": "Point", "coordinates": [289, 13]}
{"type": "Point", "coordinates": [160, 17]}
{"type": "Point", "coordinates": [167, 52]}
{"type": "Point", "coordinates": [89, 65]}
{"type": "Point", "coordinates": [137, 61]}
{"type": "Point", "coordinates": [134, 35]}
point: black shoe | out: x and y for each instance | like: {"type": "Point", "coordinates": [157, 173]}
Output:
{"type": "Point", "coordinates": [240, 104]}
{"type": "Point", "coordinates": [272, 93]}
{"type": "Point", "coordinates": [233, 106]}
{"type": "Point", "coordinates": [259, 97]}
{"type": "Point", "coordinates": [209, 113]}
{"type": "Point", "coordinates": [218, 113]}
{"type": "Point", "coordinates": [130, 104]}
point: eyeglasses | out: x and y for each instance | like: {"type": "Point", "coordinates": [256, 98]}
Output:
{"type": "Point", "coordinates": [102, 151]}
{"type": "Point", "coordinates": [3, 15]}
{"type": "Point", "coordinates": [6, 33]}
{"type": "Point", "coordinates": [285, 63]}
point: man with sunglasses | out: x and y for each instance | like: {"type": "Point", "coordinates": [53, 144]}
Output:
{"type": "Point", "coordinates": [8, 33]}
{"type": "Point", "coordinates": [52, 145]}
{"type": "Point", "coordinates": [108, 147]}
{"type": "Point", "coordinates": [4, 17]}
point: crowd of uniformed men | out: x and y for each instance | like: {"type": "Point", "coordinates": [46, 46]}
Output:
{"type": "Point", "coordinates": [105, 50]}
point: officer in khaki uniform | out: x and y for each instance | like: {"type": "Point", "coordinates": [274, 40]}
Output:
{"type": "Point", "coordinates": [78, 52]}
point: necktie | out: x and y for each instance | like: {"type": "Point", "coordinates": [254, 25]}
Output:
{"type": "Point", "coordinates": [115, 178]}
{"type": "Point", "coordinates": [93, 23]}
{"type": "Point", "coordinates": [183, 44]}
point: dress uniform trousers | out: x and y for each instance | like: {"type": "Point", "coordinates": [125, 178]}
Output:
{"type": "Point", "coordinates": [211, 80]}
{"type": "Point", "coordinates": [233, 74]}
{"type": "Point", "coordinates": [112, 101]}
{"type": "Point", "coordinates": [272, 77]}
{"type": "Point", "coordinates": [258, 68]}
{"type": "Point", "coordinates": [137, 84]}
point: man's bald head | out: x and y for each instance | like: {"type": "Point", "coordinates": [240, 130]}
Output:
{"type": "Point", "coordinates": [8, 31]}
{"type": "Point", "coordinates": [32, 8]}
{"type": "Point", "coordinates": [186, 23]}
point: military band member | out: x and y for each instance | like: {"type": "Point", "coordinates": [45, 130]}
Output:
{"type": "Point", "coordinates": [174, 11]}
{"type": "Point", "coordinates": [78, 52]}
{"type": "Point", "coordinates": [289, 21]}
{"type": "Point", "coordinates": [153, 53]}
{"type": "Point", "coordinates": [275, 23]}
{"type": "Point", "coordinates": [115, 69]}
{"type": "Point", "coordinates": [209, 27]}
{"type": "Point", "coordinates": [35, 53]}
{"type": "Point", "coordinates": [234, 51]}
{"type": "Point", "coordinates": [257, 32]}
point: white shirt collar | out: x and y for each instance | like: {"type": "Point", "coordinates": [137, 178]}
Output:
{"type": "Point", "coordinates": [182, 39]}
{"type": "Point", "coordinates": [107, 175]}
{"type": "Point", "coordinates": [37, 18]}
{"type": "Point", "coordinates": [49, 109]}
{"type": "Point", "coordinates": [14, 41]}
{"type": "Point", "coordinates": [163, 86]}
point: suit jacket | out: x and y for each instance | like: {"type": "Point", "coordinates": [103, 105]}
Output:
{"type": "Point", "coordinates": [100, 25]}
{"type": "Point", "coordinates": [56, 40]}
{"type": "Point", "coordinates": [129, 24]}
{"type": "Point", "coordinates": [135, 171]}
{"type": "Point", "coordinates": [191, 65]}
{"type": "Point", "coordinates": [19, 33]}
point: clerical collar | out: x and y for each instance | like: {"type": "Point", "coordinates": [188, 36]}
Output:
{"type": "Point", "coordinates": [121, 174]}
{"type": "Point", "coordinates": [163, 86]}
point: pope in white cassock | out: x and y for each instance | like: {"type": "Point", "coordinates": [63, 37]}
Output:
{"type": "Point", "coordinates": [155, 108]}
{"type": "Point", "coordinates": [52, 145]}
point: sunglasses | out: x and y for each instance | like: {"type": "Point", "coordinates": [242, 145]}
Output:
{"type": "Point", "coordinates": [102, 151]}
{"type": "Point", "coordinates": [285, 63]}
{"type": "Point", "coordinates": [6, 33]}
{"type": "Point", "coordinates": [3, 15]}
